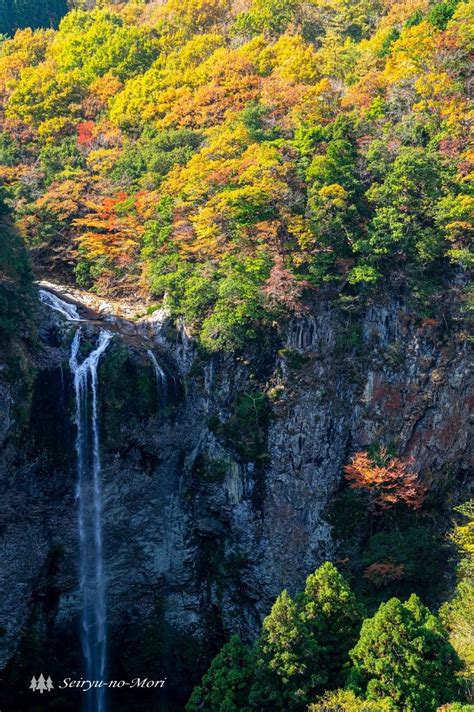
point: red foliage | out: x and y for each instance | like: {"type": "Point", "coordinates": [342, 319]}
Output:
{"type": "Point", "coordinates": [388, 484]}
{"type": "Point", "coordinates": [85, 133]}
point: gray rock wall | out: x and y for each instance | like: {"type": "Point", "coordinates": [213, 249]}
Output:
{"type": "Point", "coordinates": [196, 549]}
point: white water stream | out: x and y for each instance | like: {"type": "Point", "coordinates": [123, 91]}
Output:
{"type": "Point", "coordinates": [67, 310]}
{"type": "Point", "coordinates": [161, 380]}
{"type": "Point", "coordinates": [89, 498]}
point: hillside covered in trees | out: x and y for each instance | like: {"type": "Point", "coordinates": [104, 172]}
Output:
{"type": "Point", "coordinates": [236, 158]}
{"type": "Point", "coordinates": [292, 180]}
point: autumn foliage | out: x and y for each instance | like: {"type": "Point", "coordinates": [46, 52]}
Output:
{"type": "Point", "coordinates": [382, 572]}
{"type": "Point", "coordinates": [281, 148]}
{"type": "Point", "coordinates": [387, 482]}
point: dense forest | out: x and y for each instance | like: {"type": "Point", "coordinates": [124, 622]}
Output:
{"type": "Point", "coordinates": [17, 14]}
{"type": "Point", "coordinates": [236, 161]}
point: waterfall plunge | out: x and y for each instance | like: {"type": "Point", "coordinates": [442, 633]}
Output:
{"type": "Point", "coordinates": [161, 380]}
{"type": "Point", "coordinates": [89, 498]}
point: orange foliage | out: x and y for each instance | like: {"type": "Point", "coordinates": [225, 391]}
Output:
{"type": "Point", "coordinates": [388, 484]}
{"type": "Point", "coordinates": [110, 231]}
{"type": "Point", "coordinates": [230, 86]}
{"type": "Point", "coordinates": [381, 573]}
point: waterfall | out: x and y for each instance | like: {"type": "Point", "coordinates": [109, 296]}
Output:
{"type": "Point", "coordinates": [89, 499]}
{"type": "Point", "coordinates": [67, 310]}
{"type": "Point", "coordinates": [161, 380]}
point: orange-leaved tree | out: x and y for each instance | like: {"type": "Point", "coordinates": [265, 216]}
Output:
{"type": "Point", "coordinates": [387, 480]}
{"type": "Point", "coordinates": [382, 573]}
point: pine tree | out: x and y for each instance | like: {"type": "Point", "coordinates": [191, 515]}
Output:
{"type": "Point", "coordinates": [41, 685]}
{"type": "Point", "coordinates": [403, 654]}
{"type": "Point", "coordinates": [305, 643]}
{"type": "Point", "coordinates": [16, 14]}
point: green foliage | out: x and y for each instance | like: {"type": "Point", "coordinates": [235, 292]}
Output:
{"type": "Point", "coordinates": [246, 429]}
{"type": "Point", "coordinates": [237, 310]}
{"type": "Point", "coordinates": [347, 701]}
{"type": "Point", "coordinates": [146, 161]}
{"type": "Point", "coordinates": [301, 650]}
{"type": "Point", "coordinates": [458, 613]}
{"type": "Point", "coordinates": [417, 549]}
{"type": "Point", "coordinates": [293, 358]}
{"type": "Point", "coordinates": [300, 661]}
{"type": "Point", "coordinates": [441, 13]}
{"type": "Point", "coordinates": [225, 685]}
{"type": "Point", "coordinates": [60, 159]}
{"type": "Point", "coordinates": [10, 151]}
{"type": "Point", "coordinates": [131, 388]}
{"type": "Point", "coordinates": [403, 654]}
{"type": "Point", "coordinates": [43, 94]}
{"type": "Point", "coordinates": [98, 41]}
{"type": "Point", "coordinates": [392, 36]}
{"type": "Point", "coordinates": [16, 288]}
{"type": "Point", "coordinates": [404, 220]}
{"type": "Point", "coordinates": [391, 554]}
{"type": "Point", "coordinates": [271, 17]}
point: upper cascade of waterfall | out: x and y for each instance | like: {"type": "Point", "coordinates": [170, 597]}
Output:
{"type": "Point", "coordinates": [131, 308]}
{"type": "Point", "coordinates": [52, 300]}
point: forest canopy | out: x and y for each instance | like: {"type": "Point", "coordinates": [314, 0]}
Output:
{"type": "Point", "coordinates": [16, 14]}
{"type": "Point", "coordinates": [234, 159]}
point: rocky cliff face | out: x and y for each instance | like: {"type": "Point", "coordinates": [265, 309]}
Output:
{"type": "Point", "coordinates": [216, 500]}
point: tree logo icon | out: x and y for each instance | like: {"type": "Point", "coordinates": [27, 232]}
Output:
{"type": "Point", "coordinates": [41, 685]}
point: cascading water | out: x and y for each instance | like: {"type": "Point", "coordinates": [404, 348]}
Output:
{"type": "Point", "coordinates": [161, 380]}
{"type": "Point", "coordinates": [89, 498]}
{"type": "Point", "coordinates": [64, 308]}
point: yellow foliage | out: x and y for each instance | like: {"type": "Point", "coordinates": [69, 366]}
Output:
{"type": "Point", "coordinates": [412, 53]}
{"type": "Point", "coordinates": [300, 228]}
{"type": "Point", "coordinates": [54, 128]}
{"type": "Point", "coordinates": [105, 87]}
{"type": "Point", "coordinates": [292, 58]}
{"type": "Point", "coordinates": [25, 49]}
{"type": "Point", "coordinates": [334, 196]}
{"type": "Point", "coordinates": [102, 160]}
{"type": "Point", "coordinates": [319, 103]}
